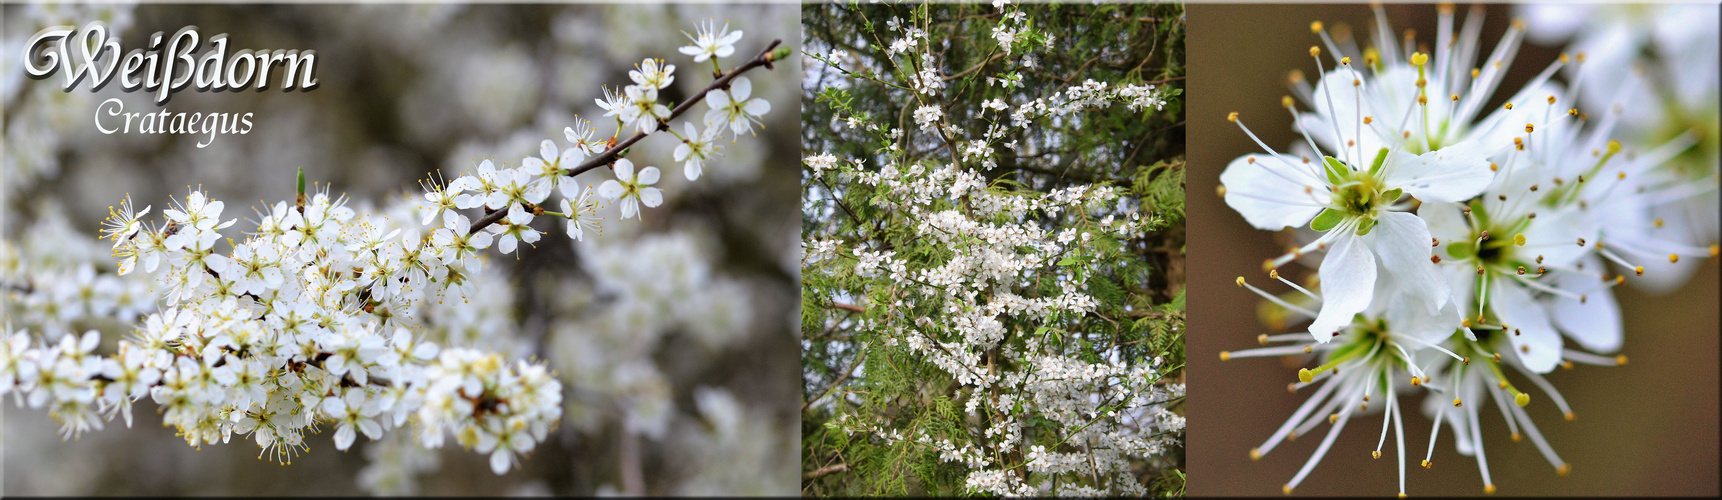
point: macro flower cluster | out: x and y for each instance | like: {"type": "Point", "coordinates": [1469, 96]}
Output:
{"type": "Point", "coordinates": [981, 302]}
{"type": "Point", "coordinates": [1455, 241]}
{"type": "Point", "coordinates": [325, 315]}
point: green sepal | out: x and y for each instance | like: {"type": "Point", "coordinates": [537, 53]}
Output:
{"type": "Point", "coordinates": [1364, 227]}
{"type": "Point", "coordinates": [1461, 250]}
{"type": "Point", "coordinates": [1337, 172]}
{"type": "Point", "coordinates": [1326, 220]}
{"type": "Point", "coordinates": [1380, 159]}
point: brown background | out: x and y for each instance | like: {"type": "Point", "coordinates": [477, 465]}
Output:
{"type": "Point", "coordinates": [1647, 428]}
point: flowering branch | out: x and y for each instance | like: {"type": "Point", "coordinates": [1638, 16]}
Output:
{"type": "Point", "coordinates": [609, 156]}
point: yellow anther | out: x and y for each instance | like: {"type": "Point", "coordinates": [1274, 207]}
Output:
{"type": "Point", "coordinates": [1255, 453]}
{"type": "Point", "coordinates": [1457, 403]}
{"type": "Point", "coordinates": [1564, 469]}
{"type": "Point", "coordinates": [1639, 270]}
{"type": "Point", "coordinates": [1673, 257]}
{"type": "Point", "coordinates": [1519, 239]}
{"type": "Point", "coordinates": [1530, 128]}
{"type": "Point", "coordinates": [1286, 489]}
{"type": "Point", "coordinates": [1713, 249]}
{"type": "Point", "coordinates": [1426, 464]}
{"type": "Point", "coordinates": [1225, 356]}
{"type": "Point", "coordinates": [1314, 51]}
{"type": "Point", "coordinates": [1295, 76]}
{"type": "Point", "coordinates": [1522, 399]}
{"type": "Point", "coordinates": [1620, 360]}
{"type": "Point", "coordinates": [1262, 339]}
{"type": "Point", "coordinates": [1418, 58]}
{"type": "Point", "coordinates": [1240, 282]}
{"type": "Point", "coordinates": [1376, 454]}
{"type": "Point", "coordinates": [1416, 381]}
{"type": "Point", "coordinates": [1368, 119]}
{"type": "Point", "coordinates": [1345, 60]}
{"type": "Point", "coordinates": [1274, 274]}
{"type": "Point", "coordinates": [1570, 416]}
{"type": "Point", "coordinates": [1220, 190]}
{"type": "Point", "coordinates": [1232, 117]}
{"type": "Point", "coordinates": [1455, 97]}
{"type": "Point", "coordinates": [1308, 349]}
{"type": "Point", "coordinates": [1509, 106]}
{"type": "Point", "coordinates": [1613, 147]}
{"type": "Point", "coordinates": [1551, 99]}
{"type": "Point", "coordinates": [1488, 489]}
{"type": "Point", "coordinates": [1315, 27]}
{"type": "Point", "coordinates": [1304, 375]}
{"type": "Point", "coordinates": [1333, 419]}
{"type": "Point", "coordinates": [1515, 437]}
{"type": "Point", "coordinates": [1286, 101]}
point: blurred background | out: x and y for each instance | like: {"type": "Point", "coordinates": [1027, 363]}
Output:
{"type": "Point", "coordinates": [673, 336]}
{"type": "Point", "coordinates": [1646, 428]}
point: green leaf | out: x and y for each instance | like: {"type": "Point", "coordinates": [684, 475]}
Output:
{"type": "Point", "coordinates": [1327, 219]}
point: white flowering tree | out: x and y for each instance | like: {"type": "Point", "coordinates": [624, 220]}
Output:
{"type": "Point", "coordinates": [992, 276]}
{"type": "Point", "coordinates": [1466, 235]}
{"type": "Point", "coordinates": [390, 320]}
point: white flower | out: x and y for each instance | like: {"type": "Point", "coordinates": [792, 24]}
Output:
{"type": "Point", "coordinates": [614, 102]}
{"type": "Point", "coordinates": [552, 162]}
{"type": "Point", "coordinates": [514, 226]}
{"type": "Point", "coordinates": [652, 73]}
{"type": "Point", "coordinates": [643, 109]}
{"type": "Point", "coordinates": [580, 136]}
{"type": "Point", "coordinates": [1359, 208]}
{"type": "Point", "coordinates": [927, 115]}
{"type": "Point", "coordinates": [121, 225]}
{"type": "Point", "coordinates": [581, 210]}
{"type": "Point", "coordinates": [1372, 355]}
{"type": "Point", "coordinates": [821, 162]}
{"type": "Point", "coordinates": [632, 190]}
{"type": "Point", "coordinates": [734, 107]}
{"type": "Point", "coordinates": [696, 148]}
{"type": "Point", "coordinates": [351, 411]}
{"type": "Point", "coordinates": [517, 186]}
{"type": "Point", "coordinates": [711, 42]}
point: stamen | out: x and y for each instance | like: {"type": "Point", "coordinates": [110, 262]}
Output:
{"type": "Point", "coordinates": [1592, 359]}
{"type": "Point", "coordinates": [1275, 299]}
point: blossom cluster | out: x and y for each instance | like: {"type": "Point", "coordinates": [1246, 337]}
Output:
{"type": "Point", "coordinates": [1456, 242]}
{"type": "Point", "coordinates": [324, 314]}
{"type": "Point", "coordinates": [294, 327]}
{"type": "Point", "coordinates": [987, 286]}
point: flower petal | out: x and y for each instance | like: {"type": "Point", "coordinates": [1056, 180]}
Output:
{"type": "Point", "coordinates": [648, 176]}
{"type": "Point", "coordinates": [1534, 340]}
{"type": "Point", "coordinates": [1347, 284]}
{"type": "Point", "coordinates": [1402, 242]}
{"type": "Point", "coordinates": [1453, 173]}
{"type": "Point", "coordinates": [1269, 192]}
{"type": "Point", "coordinates": [1594, 322]}
{"type": "Point", "coordinates": [651, 196]}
